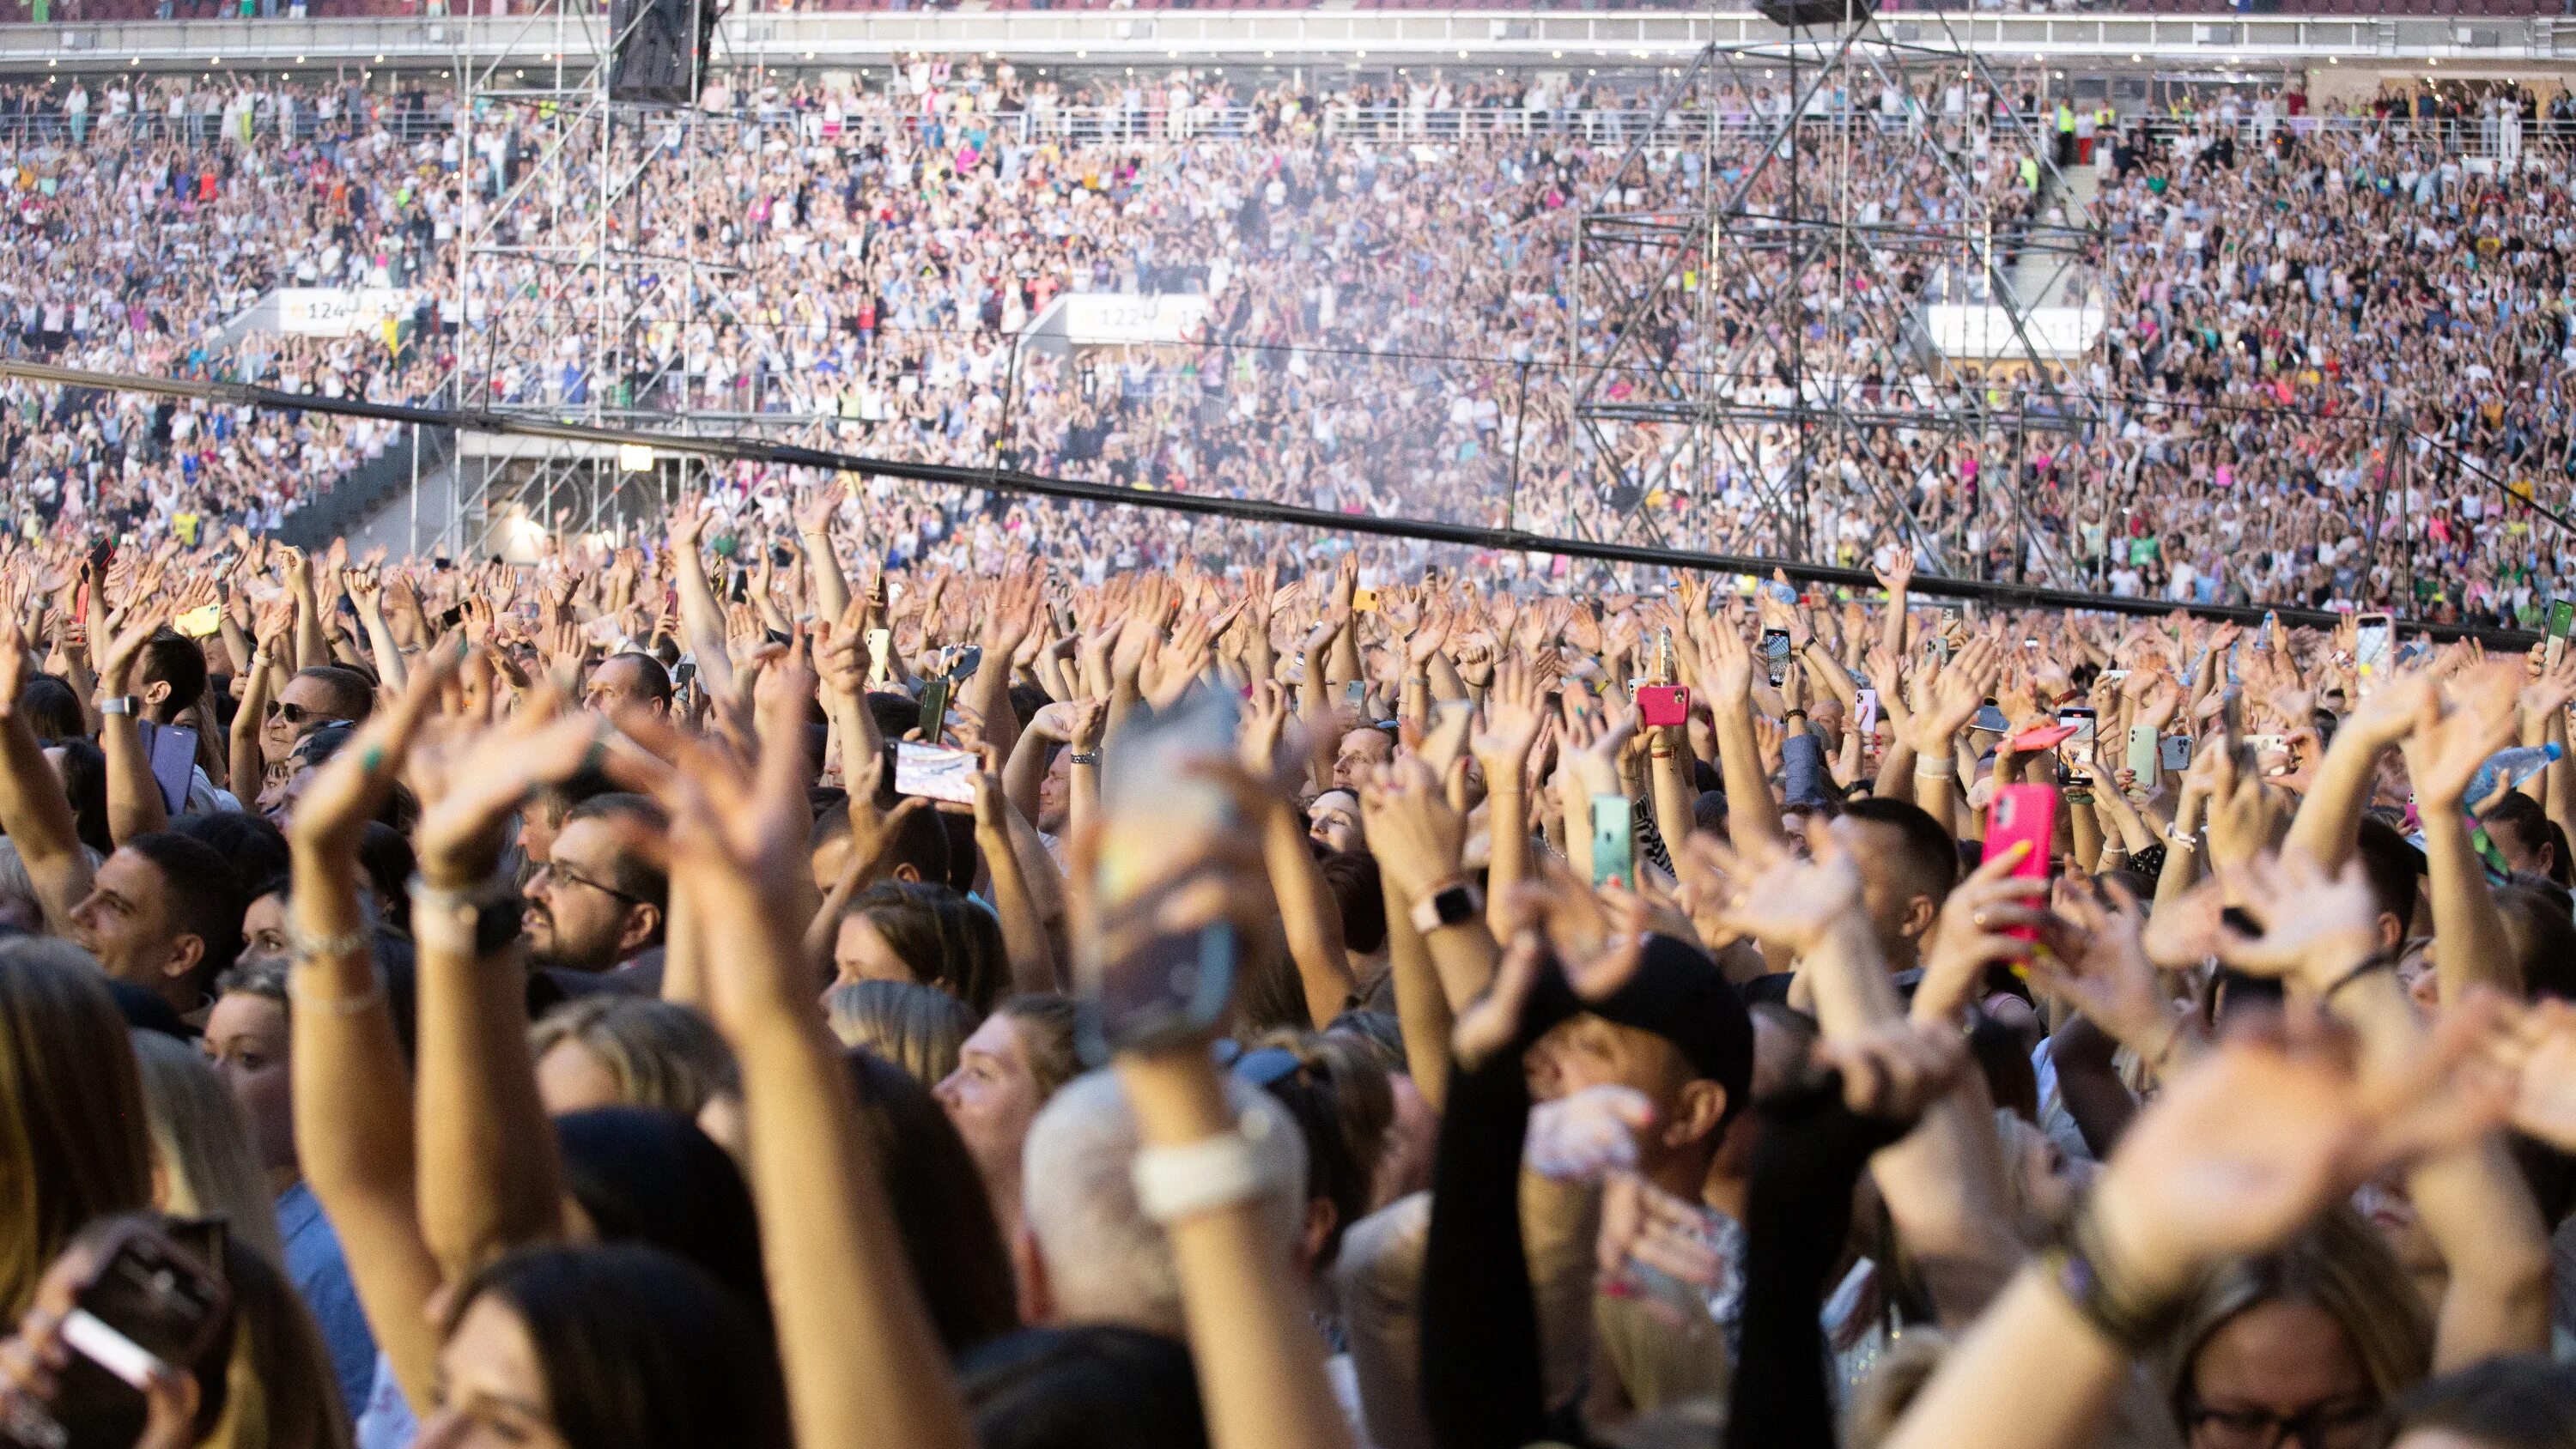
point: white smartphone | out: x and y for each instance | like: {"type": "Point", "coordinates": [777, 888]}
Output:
{"type": "Point", "coordinates": [2374, 636]}
{"type": "Point", "coordinates": [934, 772]}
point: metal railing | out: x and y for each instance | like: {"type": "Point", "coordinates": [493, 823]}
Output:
{"type": "Point", "coordinates": [1283, 36]}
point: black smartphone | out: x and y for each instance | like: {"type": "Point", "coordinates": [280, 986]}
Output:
{"type": "Point", "coordinates": [934, 710]}
{"type": "Point", "coordinates": [150, 1304]}
{"type": "Point", "coordinates": [1775, 652]}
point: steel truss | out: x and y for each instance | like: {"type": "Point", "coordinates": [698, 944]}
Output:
{"type": "Point", "coordinates": [555, 292]}
{"type": "Point", "coordinates": [1739, 343]}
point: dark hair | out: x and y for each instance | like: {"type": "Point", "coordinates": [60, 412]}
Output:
{"type": "Point", "coordinates": [251, 841]}
{"type": "Point", "coordinates": [203, 896]}
{"type": "Point", "coordinates": [52, 708]}
{"type": "Point", "coordinates": [2510, 1401]}
{"type": "Point", "coordinates": [2543, 936]}
{"type": "Point", "coordinates": [651, 679]}
{"type": "Point", "coordinates": [630, 870]}
{"type": "Point", "coordinates": [922, 841]}
{"type": "Point", "coordinates": [180, 662]}
{"type": "Point", "coordinates": [2393, 867]}
{"type": "Point", "coordinates": [84, 772]}
{"type": "Point", "coordinates": [1708, 812]}
{"type": "Point", "coordinates": [940, 1207]}
{"type": "Point", "coordinates": [1352, 875]}
{"type": "Point", "coordinates": [947, 940]}
{"type": "Point", "coordinates": [640, 1349]}
{"type": "Point", "coordinates": [2521, 817]}
{"type": "Point", "coordinates": [894, 713]}
{"type": "Point", "coordinates": [1096, 1386]}
{"type": "Point", "coordinates": [353, 698]}
{"type": "Point", "coordinates": [385, 854]}
{"type": "Point", "coordinates": [1929, 855]}
{"type": "Point", "coordinates": [650, 1176]}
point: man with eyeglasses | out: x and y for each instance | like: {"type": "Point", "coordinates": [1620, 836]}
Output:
{"type": "Point", "coordinates": [597, 902]}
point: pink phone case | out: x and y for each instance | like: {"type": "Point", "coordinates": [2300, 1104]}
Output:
{"type": "Point", "coordinates": [2018, 814]}
{"type": "Point", "coordinates": [1661, 705]}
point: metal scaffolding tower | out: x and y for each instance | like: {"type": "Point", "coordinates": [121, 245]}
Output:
{"type": "Point", "coordinates": [1755, 368]}
{"type": "Point", "coordinates": [562, 284]}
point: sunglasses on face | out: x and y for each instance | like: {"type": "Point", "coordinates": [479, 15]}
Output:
{"type": "Point", "coordinates": [298, 716]}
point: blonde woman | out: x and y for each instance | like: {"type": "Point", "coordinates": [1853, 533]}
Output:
{"type": "Point", "coordinates": [202, 1161]}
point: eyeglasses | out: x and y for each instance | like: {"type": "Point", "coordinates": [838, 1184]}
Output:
{"type": "Point", "coordinates": [2335, 1424]}
{"type": "Point", "coordinates": [298, 716]}
{"type": "Point", "coordinates": [551, 871]}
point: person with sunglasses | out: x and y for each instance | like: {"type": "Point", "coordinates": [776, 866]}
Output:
{"type": "Point", "coordinates": [323, 695]}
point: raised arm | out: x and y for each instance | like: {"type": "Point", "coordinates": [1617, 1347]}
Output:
{"type": "Point", "coordinates": [861, 1362]}
{"type": "Point", "coordinates": [33, 808]}
{"type": "Point", "coordinates": [1726, 668]}
{"type": "Point", "coordinates": [134, 803]}
{"type": "Point", "coordinates": [353, 1108]}
{"type": "Point", "coordinates": [822, 560]}
{"type": "Point", "coordinates": [2451, 738]}
{"type": "Point", "coordinates": [1025, 941]}
{"type": "Point", "coordinates": [2329, 820]}
{"type": "Point", "coordinates": [702, 627]}
{"type": "Point", "coordinates": [490, 1180]}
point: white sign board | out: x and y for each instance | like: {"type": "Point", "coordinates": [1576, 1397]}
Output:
{"type": "Point", "coordinates": [1986, 331]}
{"type": "Point", "coordinates": [1113, 319]}
{"type": "Point", "coordinates": [339, 311]}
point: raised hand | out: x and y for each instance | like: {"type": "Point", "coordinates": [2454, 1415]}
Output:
{"type": "Point", "coordinates": [2206, 1173]}
{"type": "Point", "coordinates": [1898, 576]}
{"type": "Point", "coordinates": [2452, 736]}
{"type": "Point", "coordinates": [687, 522]}
{"type": "Point", "coordinates": [2534, 1050]}
{"type": "Point", "coordinates": [1958, 692]}
{"type": "Point", "coordinates": [2100, 967]}
{"type": "Point", "coordinates": [815, 512]}
{"type": "Point", "coordinates": [1768, 892]}
{"type": "Point", "coordinates": [1895, 1071]}
{"type": "Point", "coordinates": [2315, 925]}
{"type": "Point", "coordinates": [841, 651]}
{"type": "Point", "coordinates": [1417, 837]}
{"type": "Point", "coordinates": [469, 781]}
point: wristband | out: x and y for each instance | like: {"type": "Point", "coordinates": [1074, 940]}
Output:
{"type": "Point", "coordinates": [1230, 1168]}
{"type": "Point", "coordinates": [2132, 1319]}
{"type": "Point", "coordinates": [302, 947]}
{"type": "Point", "coordinates": [117, 704]}
{"type": "Point", "coordinates": [1929, 768]}
{"type": "Point", "coordinates": [1087, 757]}
{"type": "Point", "coordinates": [2188, 840]}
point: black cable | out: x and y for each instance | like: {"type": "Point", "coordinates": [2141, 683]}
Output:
{"type": "Point", "coordinates": [1251, 510]}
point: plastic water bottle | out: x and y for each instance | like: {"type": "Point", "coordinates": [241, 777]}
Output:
{"type": "Point", "coordinates": [2508, 769]}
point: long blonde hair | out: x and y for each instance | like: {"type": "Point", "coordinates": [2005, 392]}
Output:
{"type": "Point", "coordinates": [72, 1136]}
{"type": "Point", "coordinates": [201, 1141]}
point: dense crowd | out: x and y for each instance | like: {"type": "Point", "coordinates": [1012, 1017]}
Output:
{"type": "Point", "coordinates": [2334, 365]}
{"type": "Point", "coordinates": [691, 995]}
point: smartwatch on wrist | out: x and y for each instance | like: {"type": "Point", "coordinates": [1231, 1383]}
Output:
{"type": "Point", "coordinates": [1453, 902]}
